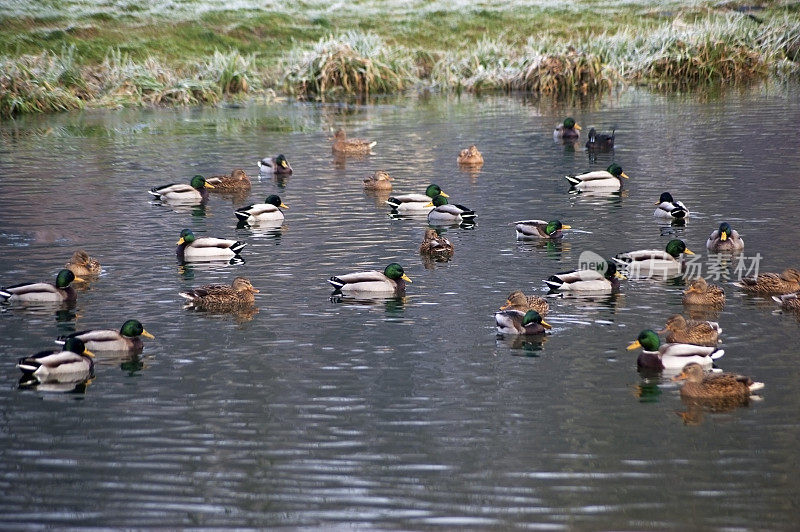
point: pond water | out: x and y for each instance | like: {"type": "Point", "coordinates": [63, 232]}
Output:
{"type": "Point", "coordinates": [404, 413]}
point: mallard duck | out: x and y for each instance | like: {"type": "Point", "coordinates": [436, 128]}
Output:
{"type": "Point", "coordinates": [391, 281]}
{"type": "Point", "coordinates": [220, 297]}
{"type": "Point", "coordinates": [678, 330]}
{"type": "Point", "coordinates": [470, 157]}
{"type": "Point", "coordinates": [71, 364]}
{"type": "Point", "coordinates": [772, 283]}
{"type": "Point", "coordinates": [275, 165]}
{"type": "Point", "coordinates": [788, 301]}
{"type": "Point", "coordinates": [416, 202]}
{"type": "Point", "coordinates": [658, 356]}
{"type": "Point", "coordinates": [444, 212]}
{"type": "Point", "coordinates": [608, 179]}
{"type": "Point", "coordinates": [538, 229]}
{"type": "Point", "coordinates": [206, 248]}
{"type": "Point", "coordinates": [380, 180]}
{"type": "Point", "coordinates": [81, 264]}
{"type": "Point", "coordinates": [238, 181]}
{"type": "Point", "coordinates": [716, 386]}
{"type": "Point", "coordinates": [42, 292]}
{"type": "Point", "coordinates": [517, 300]}
{"type": "Point", "coordinates": [724, 239]}
{"type": "Point", "coordinates": [342, 144]}
{"type": "Point", "coordinates": [127, 339]}
{"type": "Point", "coordinates": [195, 192]}
{"type": "Point", "coordinates": [435, 245]}
{"type": "Point", "coordinates": [270, 210]}
{"type": "Point", "coordinates": [600, 141]}
{"type": "Point", "coordinates": [668, 208]}
{"type": "Point", "coordinates": [568, 129]}
{"type": "Point", "coordinates": [604, 279]}
{"type": "Point", "coordinates": [653, 262]}
{"type": "Point", "coordinates": [702, 293]}
{"type": "Point", "coordinates": [518, 322]}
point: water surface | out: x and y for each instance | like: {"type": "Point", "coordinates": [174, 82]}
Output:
{"type": "Point", "coordinates": [397, 413]}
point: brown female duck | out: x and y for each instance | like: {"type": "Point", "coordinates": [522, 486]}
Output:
{"type": "Point", "coordinates": [436, 245]}
{"type": "Point", "coordinates": [772, 283]}
{"type": "Point", "coordinates": [81, 264]}
{"type": "Point", "coordinates": [238, 181]}
{"type": "Point", "coordinates": [716, 387]}
{"type": "Point", "coordinates": [222, 298]}
{"type": "Point", "coordinates": [680, 331]}
{"type": "Point", "coordinates": [517, 300]}
{"type": "Point", "coordinates": [470, 157]}
{"type": "Point", "coordinates": [380, 180]}
{"type": "Point", "coordinates": [341, 144]}
{"type": "Point", "coordinates": [702, 293]}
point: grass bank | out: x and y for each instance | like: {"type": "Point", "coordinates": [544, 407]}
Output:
{"type": "Point", "coordinates": [67, 54]}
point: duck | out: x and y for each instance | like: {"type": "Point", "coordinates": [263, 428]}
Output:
{"type": "Point", "coordinates": [702, 293]}
{"type": "Point", "coordinates": [605, 278]}
{"type": "Point", "coordinates": [668, 208]}
{"type": "Point", "coordinates": [788, 301]}
{"type": "Point", "coordinates": [714, 387]}
{"type": "Point", "coordinates": [518, 322]}
{"type": "Point", "coordinates": [380, 180]}
{"type": "Point", "coordinates": [771, 283]}
{"type": "Point", "coordinates": [391, 281]}
{"type": "Point", "coordinates": [127, 339]}
{"type": "Point", "coordinates": [195, 192]}
{"type": "Point", "coordinates": [600, 141]}
{"type": "Point", "coordinates": [679, 330]}
{"type": "Point", "coordinates": [81, 264]}
{"type": "Point", "coordinates": [275, 165]}
{"type": "Point", "coordinates": [268, 211]}
{"type": "Point", "coordinates": [238, 181]}
{"type": "Point", "coordinates": [653, 262]}
{"type": "Point", "coordinates": [517, 300]}
{"type": "Point", "coordinates": [444, 212]}
{"type": "Point", "coordinates": [220, 297]}
{"type": "Point", "coordinates": [416, 202]}
{"type": "Point", "coordinates": [538, 229]}
{"type": "Point", "coordinates": [568, 129]}
{"type": "Point", "coordinates": [608, 179]}
{"type": "Point", "coordinates": [73, 363]}
{"type": "Point", "coordinates": [191, 248]}
{"type": "Point", "coordinates": [341, 144]}
{"type": "Point", "coordinates": [435, 245]}
{"type": "Point", "coordinates": [470, 157]}
{"type": "Point", "coordinates": [60, 291]}
{"type": "Point", "coordinates": [724, 239]}
{"type": "Point", "coordinates": [671, 356]}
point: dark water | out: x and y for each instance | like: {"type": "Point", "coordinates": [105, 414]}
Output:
{"type": "Point", "coordinates": [406, 413]}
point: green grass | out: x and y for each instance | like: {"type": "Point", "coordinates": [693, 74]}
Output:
{"type": "Point", "coordinates": [130, 53]}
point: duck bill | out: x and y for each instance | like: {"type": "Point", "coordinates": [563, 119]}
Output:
{"type": "Point", "coordinates": [442, 194]}
{"type": "Point", "coordinates": [546, 325]}
{"type": "Point", "coordinates": [577, 127]}
{"type": "Point", "coordinates": [284, 164]}
{"type": "Point", "coordinates": [405, 278]}
{"type": "Point", "coordinates": [79, 279]}
{"type": "Point", "coordinates": [723, 237]}
{"type": "Point", "coordinates": [148, 335]}
{"type": "Point", "coordinates": [657, 203]}
{"type": "Point", "coordinates": [284, 205]}
{"type": "Point", "coordinates": [688, 251]}
{"type": "Point", "coordinates": [507, 305]}
{"type": "Point", "coordinates": [634, 345]}
{"type": "Point", "coordinates": [626, 177]}
{"type": "Point", "coordinates": [682, 377]}
{"type": "Point", "coordinates": [181, 241]}
{"type": "Point", "coordinates": [88, 353]}
{"type": "Point", "coordinates": [619, 276]}
{"type": "Point", "coordinates": [431, 203]}
{"type": "Point", "coordinates": [566, 227]}
{"type": "Point", "coordinates": [208, 185]}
